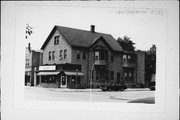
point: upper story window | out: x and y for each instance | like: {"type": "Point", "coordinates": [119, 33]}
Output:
{"type": "Point", "coordinates": [112, 58]}
{"type": "Point", "coordinates": [124, 59]}
{"type": "Point", "coordinates": [60, 54]}
{"type": "Point", "coordinates": [49, 55]}
{"type": "Point", "coordinates": [84, 54]}
{"type": "Point", "coordinates": [96, 55]}
{"type": "Point", "coordinates": [100, 55]}
{"type": "Point", "coordinates": [78, 54]}
{"type": "Point", "coordinates": [27, 62]}
{"type": "Point", "coordinates": [56, 40]}
{"type": "Point", "coordinates": [129, 57]}
{"type": "Point", "coordinates": [53, 55]}
{"type": "Point", "coordinates": [65, 54]}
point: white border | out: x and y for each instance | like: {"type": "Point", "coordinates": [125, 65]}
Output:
{"type": "Point", "coordinates": [14, 73]}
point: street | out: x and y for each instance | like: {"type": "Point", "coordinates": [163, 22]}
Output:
{"type": "Point", "coordinates": [95, 95]}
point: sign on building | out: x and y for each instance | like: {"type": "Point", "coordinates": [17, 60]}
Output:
{"type": "Point", "coordinates": [47, 67]}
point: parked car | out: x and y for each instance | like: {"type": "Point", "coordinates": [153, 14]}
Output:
{"type": "Point", "coordinates": [112, 87]}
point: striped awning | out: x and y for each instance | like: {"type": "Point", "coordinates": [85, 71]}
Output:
{"type": "Point", "coordinates": [48, 73]}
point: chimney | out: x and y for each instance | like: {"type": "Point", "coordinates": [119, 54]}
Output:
{"type": "Point", "coordinates": [29, 46]}
{"type": "Point", "coordinates": [93, 28]}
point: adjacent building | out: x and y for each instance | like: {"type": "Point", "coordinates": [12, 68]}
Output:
{"type": "Point", "coordinates": [33, 59]}
{"type": "Point", "coordinates": [75, 58]}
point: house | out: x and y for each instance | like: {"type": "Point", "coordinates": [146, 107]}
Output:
{"type": "Point", "coordinates": [77, 58]}
{"type": "Point", "coordinates": [33, 61]}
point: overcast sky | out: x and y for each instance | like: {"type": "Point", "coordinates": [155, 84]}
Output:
{"type": "Point", "coordinates": [144, 26]}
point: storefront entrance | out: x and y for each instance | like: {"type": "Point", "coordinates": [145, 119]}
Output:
{"type": "Point", "coordinates": [63, 81]}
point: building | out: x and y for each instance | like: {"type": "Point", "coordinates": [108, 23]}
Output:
{"type": "Point", "coordinates": [77, 58]}
{"type": "Point", "coordinates": [33, 61]}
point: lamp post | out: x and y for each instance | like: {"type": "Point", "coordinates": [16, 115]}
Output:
{"type": "Point", "coordinates": [76, 78]}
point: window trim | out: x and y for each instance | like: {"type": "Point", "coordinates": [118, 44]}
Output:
{"type": "Point", "coordinates": [53, 55]}
{"type": "Point", "coordinates": [60, 54]}
{"type": "Point", "coordinates": [78, 56]}
{"type": "Point", "coordinates": [84, 54]}
{"type": "Point", "coordinates": [56, 39]}
{"type": "Point", "coordinates": [65, 54]}
{"type": "Point", "coordinates": [49, 55]}
{"type": "Point", "coordinates": [112, 58]}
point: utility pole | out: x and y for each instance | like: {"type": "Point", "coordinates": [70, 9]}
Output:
{"type": "Point", "coordinates": [76, 78]}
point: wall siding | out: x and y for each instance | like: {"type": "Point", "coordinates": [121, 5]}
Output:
{"type": "Point", "coordinates": [61, 46]}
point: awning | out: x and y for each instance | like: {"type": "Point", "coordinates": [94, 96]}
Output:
{"type": "Point", "coordinates": [74, 73]}
{"type": "Point", "coordinates": [48, 73]}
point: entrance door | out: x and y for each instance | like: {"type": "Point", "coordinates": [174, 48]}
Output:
{"type": "Point", "coordinates": [63, 81]}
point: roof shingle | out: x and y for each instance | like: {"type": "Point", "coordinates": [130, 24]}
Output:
{"type": "Point", "coordinates": [82, 38]}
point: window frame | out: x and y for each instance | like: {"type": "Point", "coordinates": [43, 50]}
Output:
{"type": "Point", "coordinates": [78, 56]}
{"type": "Point", "coordinates": [60, 54]}
{"type": "Point", "coordinates": [53, 55]}
{"type": "Point", "coordinates": [112, 58]}
{"type": "Point", "coordinates": [49, 55]}
{"type": "Point", "coordinates": [65, 54]}
{"type": "Point", "coordinates": [84, 54]}
{"type": "Point", "coordinates": [56, 40]}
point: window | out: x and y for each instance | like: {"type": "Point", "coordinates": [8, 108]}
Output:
{"type": "Point", "coordinates": [118, 77]}
{"type": "Point", "coordinates": [102, 55]}
{"type": "Point", "coordinates": [84, 54]}
{"type": "Point", "coordinates": [65, 54]}
{"type": "Point", "coordinates": [124, 59]}
{"type": "Point", "coordinates": [112, 75]}
{"type": "Point", "coordinates": [96, 55]}
{"type": "Point", "coordinates": [49, 55]}
{"type": "Point", "coordinates": [78, 54]}
{"type": "Point", "coordinates": [60, 55]}
{"type": "Point", "coordinates": [129, 57]}
{"type": "Point", "coordinates": [27, 62]}
{"type": "Point", "coordinates": [125, 74]}
{"type": "Point", "coordinates": [130, 74]}
{"type": "Point", "coordinates": [56, 40]}
{"type": "Point", "coordinates": [53, 55]}
{"type": "Point", "coordinates": [112, 58]}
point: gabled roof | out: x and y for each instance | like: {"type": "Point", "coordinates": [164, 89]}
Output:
{"type": "Point", "coordinates": [82, 38]}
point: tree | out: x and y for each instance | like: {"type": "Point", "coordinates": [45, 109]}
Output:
{"type": "Point", "coordinates": [126, 43]}
{"type": "Point", "coordinates": [150, 63]}
{"type": "Point", "coordinates": [28, 31]}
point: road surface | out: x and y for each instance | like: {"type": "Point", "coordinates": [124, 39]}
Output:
{"type": "Point", "coordinates": [96, 95]}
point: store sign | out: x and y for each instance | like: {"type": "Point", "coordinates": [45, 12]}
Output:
{"type": "Point", "coordinates": [47, 67]}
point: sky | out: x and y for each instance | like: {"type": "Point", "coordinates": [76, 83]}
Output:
{"type": "Point", "coordinates": [144, 26]}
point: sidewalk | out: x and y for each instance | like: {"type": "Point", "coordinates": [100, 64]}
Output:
{"type": "Point", "coordinates": [90, 90]}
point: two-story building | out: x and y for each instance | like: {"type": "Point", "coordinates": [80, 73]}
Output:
{"type": "Point", "coordinates": [77, 58]}
{"type": "Point", "coordinates": [33, 59]}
